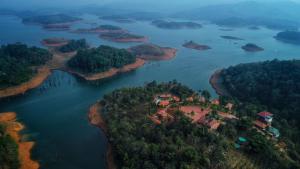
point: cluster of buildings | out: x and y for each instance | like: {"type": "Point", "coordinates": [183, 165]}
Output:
{"type": "Point", "coordinates": [196, 113]}
{"type": "Point", "coordinates": [264, 124]}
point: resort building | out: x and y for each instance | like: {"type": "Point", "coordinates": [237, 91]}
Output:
{"type": "Point", "coordinates": [265, 116]}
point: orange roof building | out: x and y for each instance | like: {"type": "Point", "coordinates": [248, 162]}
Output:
{"type": "Point", "coordinates": [215, 102]}
{"type": "Point", "coordinates": [194, 112]}
{"type": "Point", "coordinates": [164, 103]}
{"type": "Point", "coordinates": [260, 125]}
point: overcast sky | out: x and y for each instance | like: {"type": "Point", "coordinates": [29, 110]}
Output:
{"type": "Point", "coordinates": [148, 3]}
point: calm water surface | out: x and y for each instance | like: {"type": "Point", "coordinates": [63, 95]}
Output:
{"type": "Point", "coordinates": [55, 114]}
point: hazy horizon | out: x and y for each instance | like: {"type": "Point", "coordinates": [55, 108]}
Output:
{"type": "Point", "coordinates": [148, 5]}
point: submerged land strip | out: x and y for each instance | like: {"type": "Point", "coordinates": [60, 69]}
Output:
{"type": "Point", "coordinates": [12, 129]}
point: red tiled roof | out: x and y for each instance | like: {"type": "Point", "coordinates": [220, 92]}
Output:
{"type": "Point", "coordinates": [198, 112]}
{"type": "Point", "coordinates": [164, 103]}
{"type": "Point", "coordinates": [265, 114]}
{"type": "Point", "coordinates": [215, 101]}
{"type": "Point", "coordinates": [260, 124]}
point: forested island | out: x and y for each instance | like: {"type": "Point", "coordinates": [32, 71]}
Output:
{"type": "Point", "coordinates": [153, 52]}
{"type": "Point", "coordinates": [176, 25]}
{"type": "Point", "coordinates": [250, 47]}
{"type": "Point", "coordinates": [196, 46]}
{"type": "Point", "coordinates": [168, 125]}
{"type": "Point", "coordinates": [231, 38]}
{"type": "Point", "coordinates": [123, 37]}
{"type": "Point", "coordinates": [15, 153]}
{"type": "Point", "coordinates": [74, 45]}
{"type": "Point", "coordinates": [57, 27]}
{"type": "Point", "coordinates": [292, 37]}
{"type": "Point", "coordinates": [102, 29]}
{"type": "Point", "coordinates": [102, 62]}
{"type": "Point", "coordinates": [50, 19]}
{"type": "Point", "coordinates": [272, 85]}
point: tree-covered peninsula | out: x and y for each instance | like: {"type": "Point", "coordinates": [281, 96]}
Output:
{"type": "Point", "coordinates": [272, 85]}
{"type": "Point", "coordinates": [168, 125]}
{"type": "Point", "coordinates": [19, 62]}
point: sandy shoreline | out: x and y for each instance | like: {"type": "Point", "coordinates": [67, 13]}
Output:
{"type": "Point", "coordinates": [13, 129]}
{"type": "Point", "coordinates": [169, 53]}
{"type": "Point", "coordinates": [95, 118]}
{"type": "Point", "coordinates": [112, 72]}
{"type": "Point", "coordinates": [43, 72]}
{"type": "Point", "coordinates": [216, 83]}
{"type": "Point", "coordinates": [38, 79]}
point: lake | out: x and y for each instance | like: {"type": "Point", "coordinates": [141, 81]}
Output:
{"type": "Point", "coordinates": [55, 114]}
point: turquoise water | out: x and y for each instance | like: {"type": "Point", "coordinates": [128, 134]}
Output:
{"type": "Point", "coordinates": [55, 114]}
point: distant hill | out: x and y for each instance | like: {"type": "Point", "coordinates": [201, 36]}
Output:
{"type": "Point", "coordinates": [276, 15]}
{"type": "Point", "coordinates": [50, 19]}
{"type": "Point", "coordinates": [289, 37]}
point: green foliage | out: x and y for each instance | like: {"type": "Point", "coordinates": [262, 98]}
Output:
{"type": "Point", "coordinates": [139, 143]}
{"type": "Point", "coordinates": [100, 59]}
{"type": "Point", "coordinates": [16, 62]}
{"type": "Point", "coordinates": [274, 86]}
{"type": "Point", "coordinates": [74, 45]}
{"type": "Point", "coordinates": [8, 151]}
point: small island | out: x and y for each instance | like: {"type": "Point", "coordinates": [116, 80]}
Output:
{"type": "Point", "coordinates": [250, 47]}
{"type": "Point", "coordinates": [102, 62]}
{"type": "Point", "coordinates": [292, 37]}
{"type": "Point", "coordinates": [102, 29]}
{"type": "Point", "coordinates": [153, 52]}
{"type": "Point", "coordinates": [196, 46]}
{"type": "Point", "coordinates": [50, 19]}
{"type": "Point", "coordinates": [176, 25]}
{"type": "Point", "coordinates": [231, 38]}
{"type": "Point", "coordinates": [15, 153]}
{"type": "Point", "coordinates": [117, 18]}
{"type": "Point", "coordinates": [123, 37]}
{"type": "Point", "coordinates": [22, 68]}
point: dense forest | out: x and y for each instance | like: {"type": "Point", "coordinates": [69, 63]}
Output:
{"type": "Point", "coordinates": [147, 49]}
{"type": "Point", "coordinates": [274, 86]}
{"type": "Point", "coordinates": [9, 158]}
{"type": "Point", "coordinates": [100, 59]}
{"type": "Point", "coordinates": [74, 45]}
{"type": "Point", "coordinates": [17, 62]}
{"type": "Point", "coordinates": [139, 143]}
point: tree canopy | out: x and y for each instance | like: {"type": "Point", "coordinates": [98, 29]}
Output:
{"type": "Point", "coordinates": [100, 59]}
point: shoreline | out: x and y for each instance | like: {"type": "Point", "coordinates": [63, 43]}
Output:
{"type": "Point", "coordinates": [215, 82]}
{"type": "Point", "coordinates": [111, 72]}
{"type": "Point", "coordinates": [24, 148]}
{"type": "Point", "coordinates": [169, 53]}
{"type": "Point", "coordinates": [42, 74]}
{"type": "Point", "coordinates": [95, 118]}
